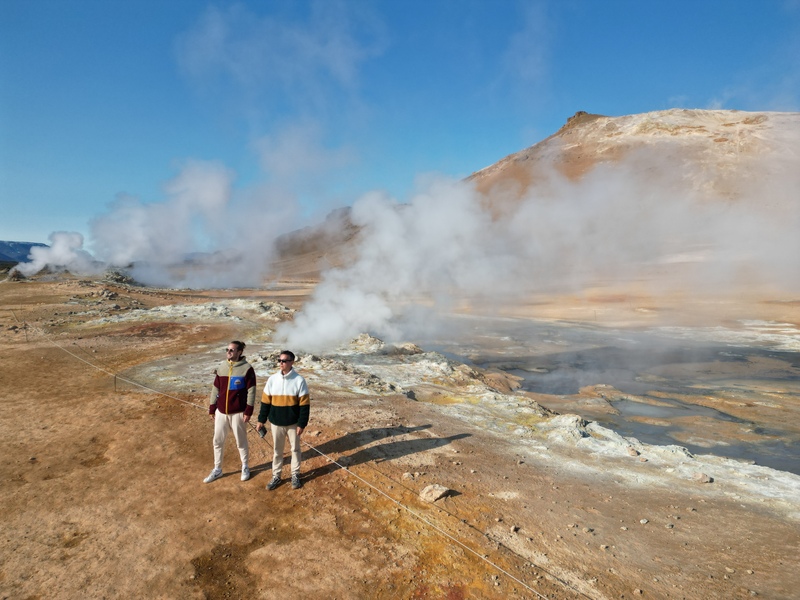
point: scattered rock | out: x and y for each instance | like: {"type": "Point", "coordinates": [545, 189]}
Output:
{"type": "Point", "coordinates": [366, 343]}
{"type": "Point", "coordinates": [434, 492]}
{"type": "Point", "coordinates": [405, 349]}
{"type": "Point", "coordinates": [119, 277]}
{"type": "Point", "coordinates": [702, 478]}
{"type": "Point", "coordinates": [275, 310]}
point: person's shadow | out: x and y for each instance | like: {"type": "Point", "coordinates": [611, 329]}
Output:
{"type": "Point", "coordinates": [377, 453]}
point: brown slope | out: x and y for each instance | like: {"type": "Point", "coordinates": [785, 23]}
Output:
{"type": "Point", "coordinates": [719, 144]}
{"type": "Point", "coordinates": [722, 152]}
{"type": "Point", "coordinates": [103, 496]}
{"type": "Point", "coordinates": [304, 254]}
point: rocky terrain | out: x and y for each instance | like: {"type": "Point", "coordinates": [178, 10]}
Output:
{"type": "Point", "coordinates": [645, 263]}
{"type": "Point", "coordinates": [424, 477]}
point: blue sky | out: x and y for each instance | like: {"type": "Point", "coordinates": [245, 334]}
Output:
{"type": "Point", "coordinates": [316, 103]}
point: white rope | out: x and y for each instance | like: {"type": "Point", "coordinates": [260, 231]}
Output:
{"type": "Point", "coordinates": [115, 376]}
{"type": "Point", "coordinates": [135, 383]}
{"type": "Point", "coordinates": [367, 483]}
{"type": "Point", "coordinates": [426, 521]}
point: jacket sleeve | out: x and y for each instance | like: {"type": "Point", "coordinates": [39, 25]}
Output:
{"type": "Point", "coordinates": [250, 380]}
{"type": "Point", "coordinates": [266, 403]}
{"type": "Point", "coordinates": [305, 405]}
{"type": "Point", "coordinates": [212, 401]}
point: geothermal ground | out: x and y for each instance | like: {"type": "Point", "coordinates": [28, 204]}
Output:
{"type": "Point", "coordinates": [106, 440]}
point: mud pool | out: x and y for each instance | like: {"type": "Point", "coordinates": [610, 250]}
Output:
{"type": "Point", "coordinates": [728, 392]}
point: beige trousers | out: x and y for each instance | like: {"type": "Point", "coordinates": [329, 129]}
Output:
{"type": "Point", "coordinates": [224, 423]}
{"type": "Point", "coordinates": [279, 435]}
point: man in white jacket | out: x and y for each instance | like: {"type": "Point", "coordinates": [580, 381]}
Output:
{"type": "Point", "coordinates": [286, 403]}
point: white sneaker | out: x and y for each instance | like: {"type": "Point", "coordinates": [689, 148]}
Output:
{"type": "Point", "coordinates": [213, 476]}
{"type": "Point", "coordinates": [245, 473]}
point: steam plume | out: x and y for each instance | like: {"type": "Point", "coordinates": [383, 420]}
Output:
{"type": "Point", "coordinates": [642, 220]}
{"type": "Point", "coordinates": [200, 220]}
{"type": "Point", "coordinates": [64, 253]}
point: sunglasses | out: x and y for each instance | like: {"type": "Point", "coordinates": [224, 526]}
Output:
{"type": "Point", "coordinates": [284, 360]}
{"type": "Point", "coordinates": [231, 349]}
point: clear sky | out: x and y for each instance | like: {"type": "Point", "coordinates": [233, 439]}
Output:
{"type": "Point", "coordinates": [321, 102]}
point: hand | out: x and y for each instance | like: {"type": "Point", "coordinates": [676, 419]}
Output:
{"type": "Point", "coordinates": [211, 415]}
{"type": "Point", "coordinates": [300, 431]}
{"type": "Point", "coordinates": [246, 418]}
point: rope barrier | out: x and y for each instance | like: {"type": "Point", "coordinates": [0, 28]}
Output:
{"type": "Point", "coordinates": [24, 325]}
{"type": "Point", "coordinates": [130, 381]}
{"type": "Point", "coordinates": [115, 376]}
{"type": "Point", "coordinates": [426, 521]}
{"type": "Point", "coordinates": [413, 513]}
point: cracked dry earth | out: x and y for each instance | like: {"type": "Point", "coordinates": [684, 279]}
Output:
{"type": "Point", "coordinates": [102, 493]}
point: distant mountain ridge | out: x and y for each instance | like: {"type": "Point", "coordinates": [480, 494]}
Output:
{"type": "Point", "coordinates": [17, 252]}
{"type": "Point", "coordinates": [723, 152]}
{"type": "Point", "coordinates": [717, 142]}
{"type": "Point", "coordinates": [600, 181]}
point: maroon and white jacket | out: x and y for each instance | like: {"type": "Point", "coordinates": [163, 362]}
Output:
{"type": "Point", "coordinates": [234, 388]}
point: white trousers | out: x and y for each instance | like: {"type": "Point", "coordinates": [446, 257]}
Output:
{"type": "Point", "coordinates": [279, 435]}
{"type": "Point", "coordinates": [222, 424]}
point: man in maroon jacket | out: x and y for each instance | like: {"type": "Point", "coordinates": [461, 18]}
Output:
{"type": "Point", "coordinates": [231, 405]}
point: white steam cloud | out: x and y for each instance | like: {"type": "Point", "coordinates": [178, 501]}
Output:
{"type": "Point", "coordinates": [202, 234]}
{"type": "Point", "coordinates": [292, 80]}
{"type": "Point", "coordinates": [647, 220]}
{"type": "Point", "coordinates": [161, 233]}
{"type": "Point", "coordinates": [281, 63]}
{"type": "Point", "coordinates": [64, 253]}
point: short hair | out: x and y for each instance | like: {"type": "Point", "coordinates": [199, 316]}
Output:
{"type": "Point", "coordinates": [288, 353]}
{"type": "Point", "coordinates": [239, 345]}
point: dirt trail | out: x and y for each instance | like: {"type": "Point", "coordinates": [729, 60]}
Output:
{"type": "Point", "coordinates": [102, 493]}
